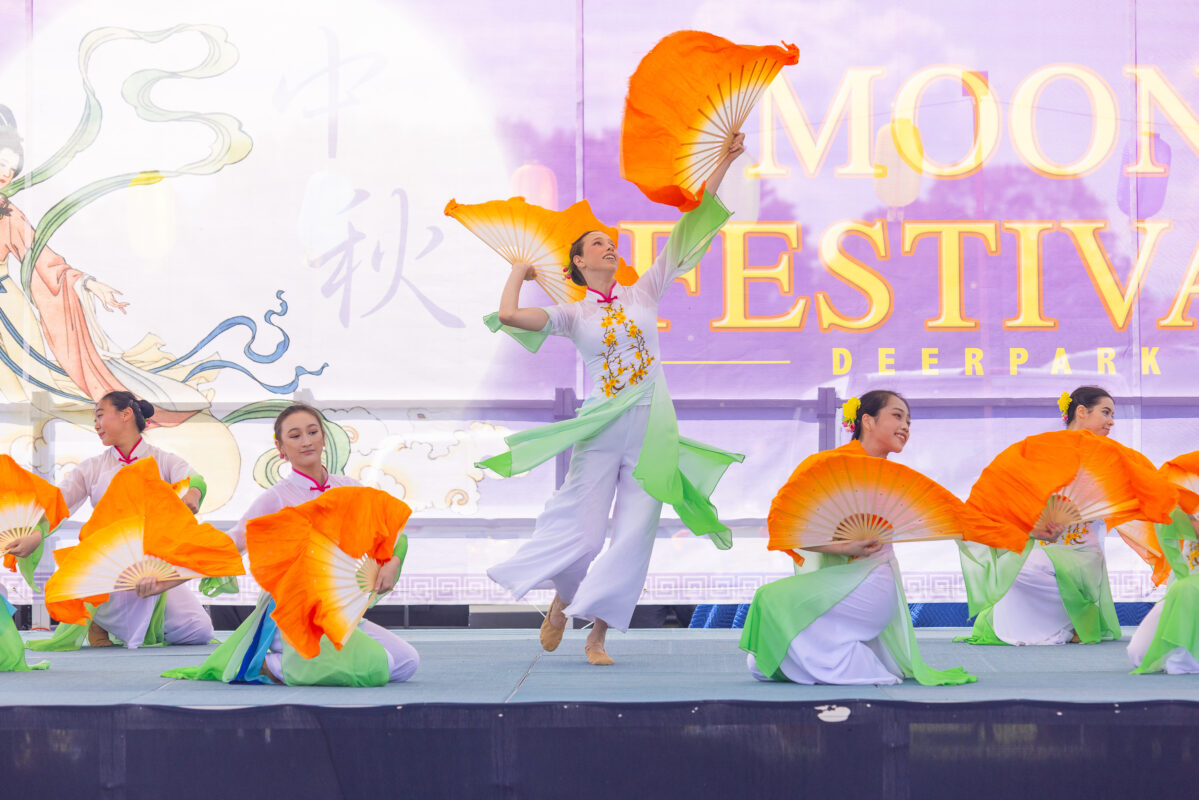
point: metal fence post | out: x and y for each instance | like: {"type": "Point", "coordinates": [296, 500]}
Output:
{"type": "Point", "coordinates": [42, 458]}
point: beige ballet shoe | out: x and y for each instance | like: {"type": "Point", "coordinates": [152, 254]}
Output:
{"type": "Point", "coordinates": [97, 636]}
{"type": "Point", "coordinates": [597, 655]}
{"type": "Point", "coordinates": [551, 634]}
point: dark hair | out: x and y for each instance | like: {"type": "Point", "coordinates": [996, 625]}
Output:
{"type": "Point", "coordinates": [576, 249]}
{"type": "Point", "coordinates": [142, 409]}
{"type": "Point", "coordinates": [296, 408]}
{"type": "Point", "coordinates": [872, 403]}
{"type": "Point", "coordinates": [1086, 396]}
{"type": "Point", "coordinates": [10, 138]}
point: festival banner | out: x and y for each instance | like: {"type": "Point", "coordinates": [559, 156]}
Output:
{"type": "Point", "coordinates": [243, 204]}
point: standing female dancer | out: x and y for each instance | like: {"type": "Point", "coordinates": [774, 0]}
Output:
{"type": "Point", "coordinates": [625, 438]}
{"type": "Point", "coordinates": [1061, 593]}
{"type": "Point", "coordinates": [256, 652]}
{"type": "Point", "coordinates": [132, 616]}
{"type": "Point", "coordinates": [847, 622]}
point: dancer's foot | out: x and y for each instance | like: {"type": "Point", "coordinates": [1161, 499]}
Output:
{"type": "Point", "coordinates": [553, 626]}
{"type": "Point", "coordinates": [1074, 639]}
{"type": "Point", "coordinates": [596, 654]}
{"type": "Point", "coordinates": [97, 636]}
{"type": "Point", "coordinates": [269, 673]}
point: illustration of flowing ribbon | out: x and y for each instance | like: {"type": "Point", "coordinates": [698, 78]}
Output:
{"type": "Point", "coordinates": [231, 144]}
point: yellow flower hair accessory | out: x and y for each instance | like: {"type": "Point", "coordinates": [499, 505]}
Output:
{"type": "Point", "coordinates": [849, 414]}
{"type": "Point", "coordinates": [1063, 404]}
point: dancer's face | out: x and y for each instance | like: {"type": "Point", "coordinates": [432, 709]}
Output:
{"type": "Point", "coordinates": [1098, 420]}
{"type": "Point", "coordinates": [303, 440]}
{"type": "Point", "coordinates": [8, 165]}
{"type": "Point", "coordinates": [113, 426]}
{"type": "Point", "coordinates": [599, 254]}
{"type": "Point", "coordinates": [888, 431]}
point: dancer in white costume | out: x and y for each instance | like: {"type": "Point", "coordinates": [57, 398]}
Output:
{"type": "Point", "coordinates": [615, 329]}
{"type": "Point", "coordinates": [838, 638]}
{"type": "Point", "coordinates": [1033, 611]}
{"type": "Point", "coordinates": [120, 422]}
{"type": "Point", "coordinates": [300, 438]}
{"type": "Point", "coordinates": [1174, 645]}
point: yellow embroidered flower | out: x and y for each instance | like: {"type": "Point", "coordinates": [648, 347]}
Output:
{"type": "Point", "coordinates": [1063, 403]}
{"type": "Point", "coordinates": [849, 413]}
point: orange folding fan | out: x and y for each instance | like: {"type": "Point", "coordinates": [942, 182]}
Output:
{"type": "Point", "coordinates": [1071, 477]}
{"type": "Point", "coordinates": [842, 496]}
{"type": "Point", "coordinates": [527, 234]}
{"type": "Point", "coordinates": [155, 544]}
{"type": "Point", "coordinates": [691, 93]}
{"type": "Point", "coordinates": [319, 561]}
{"type": "Point", "coordinates": [28, 503]}
{"type": "Point", "coordinates": [1141, 536]}
{"type": "Point", "coordinates": [1183, 472]}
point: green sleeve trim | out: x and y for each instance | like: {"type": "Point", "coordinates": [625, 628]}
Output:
{"type": "Point", "coordinates": [529, 340]}
{"type": "Point", "coordinates": [692, 235]}
{"type": "Point", "coordinates": [401, 549]}
{"type": "Point", "coordinates": [196, 481]}
{"type": "Point", "coordinates": [214, 587]}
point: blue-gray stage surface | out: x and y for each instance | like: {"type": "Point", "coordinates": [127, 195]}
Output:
{"type": "Point", "coordinates": [672, 665]}
{"type": "Point", "coordinates": [489, 715]}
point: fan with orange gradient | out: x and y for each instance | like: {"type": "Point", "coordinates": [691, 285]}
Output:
{"type": "Point", "coordinates": [1071, 477]}
{"type": "Point", "coordinates": [140, 528]}
{"type": "Point", "coordinates": [843, 496]}
{"type": "Point", "coordinates": [28, 504]}
{"type": "Point", "coordinates": [688, 97]}
{"type": "Point", "coordinates": [1183, 472]}
{"type": "Point", "coordinates": [319, 561]}
{"type": "Point", "coordinates": [523, 233]}
{"type": "Point", "coordinates": [1141, 536]}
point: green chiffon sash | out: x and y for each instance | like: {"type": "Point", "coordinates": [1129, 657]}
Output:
{"type": "Point", "coordinates": [1082, 581]}
{"type": "Point", "coordinates": [1177, 625]}
{"type": "Point", "coordinates": [12, 649]}
{"type": "Point", "coordinates": [673, 469]}
{"type": "Point", "coordinates": [783, 608]}
{"type": "Point", "coordinates": [70, 637]}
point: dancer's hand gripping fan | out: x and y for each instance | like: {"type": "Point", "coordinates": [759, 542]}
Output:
{"type": "Point", "coordinates": [28, 504]}
{"type": "Point", "coordinates": [523, 233]}
{"type": "Point", "coordinates": [320, 561]}
{"type": "Point", "coordinates": [1141, 536]}
{"type": "Point", "coordinates": [688, 97]}
{"type": "Point", "coordinates": [839, 496]}
{"type": "Point", "coordinates": [1069, 478]}
{"type": "Point", "coordinates": [139, 529]}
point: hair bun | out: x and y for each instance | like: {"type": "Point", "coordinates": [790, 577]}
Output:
{"type": "Point", "coordinates": [146, 407]}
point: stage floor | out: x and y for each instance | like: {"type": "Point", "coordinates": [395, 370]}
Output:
{"type": "Point", "coordinates": [671, 665]}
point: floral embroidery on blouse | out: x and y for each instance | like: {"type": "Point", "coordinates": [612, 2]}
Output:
{"type": "Point", "coordinates": [1072, 536]}
{"type": "Point", "coordinates": [1190, 549]}
{"type": "Point", "coordinates": [615, 368]}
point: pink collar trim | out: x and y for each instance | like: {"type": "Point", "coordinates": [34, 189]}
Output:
{"type": "Point", "coordinates": [604, 298]}
{"type": "Point", "coordinates": [316, 486]}
{"type": "Point", "coordinates": [130, 458]}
